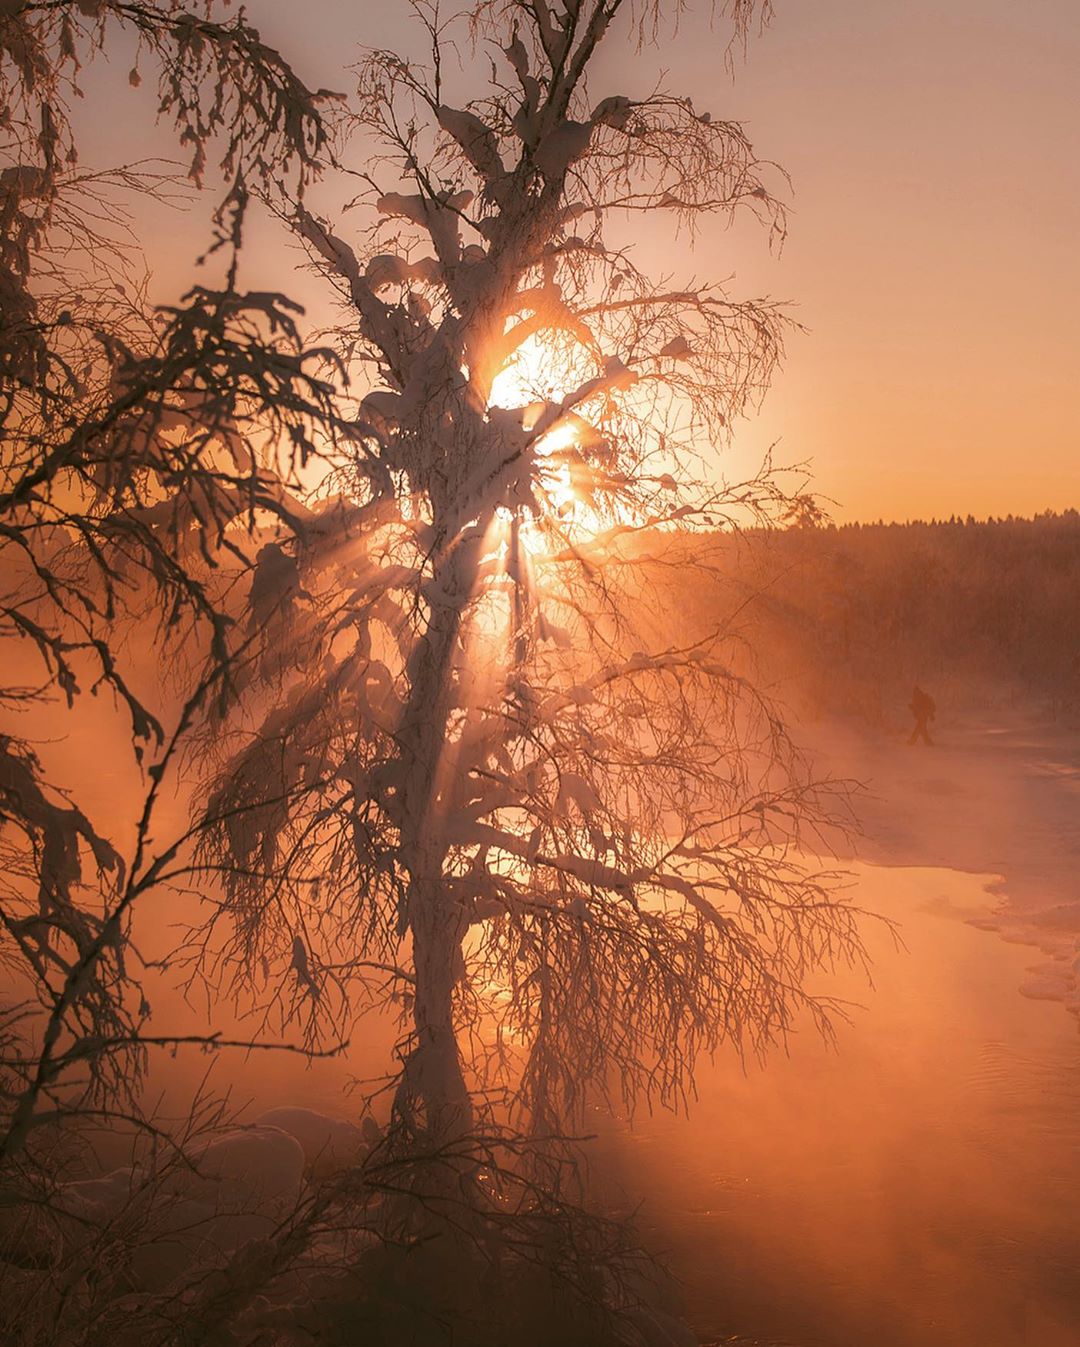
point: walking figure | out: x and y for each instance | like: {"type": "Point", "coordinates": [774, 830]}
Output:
{"type": "Point", "coordinates": [924, 710]}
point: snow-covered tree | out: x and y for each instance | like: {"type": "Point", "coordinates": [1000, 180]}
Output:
{"type": "Point", "coordinates": [481, 773]}
{"type": "Point", "coordinates": [133, 441]}
{"type": "Point", "coordinates": [465, 760]}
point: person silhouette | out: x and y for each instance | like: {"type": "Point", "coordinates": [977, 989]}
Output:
{"type": "Point", "coordinates": [924, 710]}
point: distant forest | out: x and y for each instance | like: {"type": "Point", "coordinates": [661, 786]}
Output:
{"type": "Point", "coordinates": [843, 620]}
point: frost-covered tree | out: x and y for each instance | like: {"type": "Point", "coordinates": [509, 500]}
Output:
{"type": "Point", "coordinates": [140, 450]}
{"type": "Point", "coordinates": [482, 775]}
{"type": "Point", "coordinates": [136, 442]}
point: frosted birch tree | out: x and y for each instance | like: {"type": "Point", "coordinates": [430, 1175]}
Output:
{"type": "Point", "coordinates": [464, 762]}
{"type": "Point", "coordinates": [479, 779]}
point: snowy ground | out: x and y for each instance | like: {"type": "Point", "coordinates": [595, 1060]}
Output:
{"type": "Point", "coordinates": [919, 1185]}
{"type": "Point", "coordinates": [997, 795]}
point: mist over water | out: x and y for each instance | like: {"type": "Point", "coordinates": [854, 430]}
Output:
{"type": "Point", "coordinates": [917, 1185]}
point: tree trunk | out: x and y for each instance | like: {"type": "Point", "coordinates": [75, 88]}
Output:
{"type": "Point", "coordinates": [433, 1076]}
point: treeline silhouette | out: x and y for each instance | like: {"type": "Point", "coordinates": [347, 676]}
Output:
{"type": "Point", "coordinates": [844, 619]}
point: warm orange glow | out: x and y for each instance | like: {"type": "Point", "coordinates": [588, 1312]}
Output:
{"type": "Point", "coordinates": [531, 379]}
{"type": "Point", "coordinates": [525, 379]}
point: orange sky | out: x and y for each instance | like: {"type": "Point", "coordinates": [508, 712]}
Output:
{"type": "Point", "coordinates": [935, 157]}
